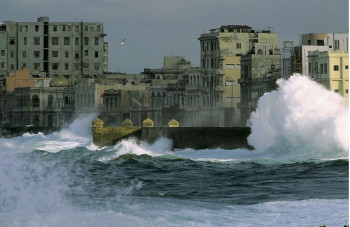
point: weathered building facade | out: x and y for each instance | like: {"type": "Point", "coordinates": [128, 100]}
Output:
{"type": "Point", "coordinates": [316, 42]}
{"type": "Point", "coordinates": [39, 103]}
{"type": "Point", "coordinates": [331, 69]}
{"type": "Point", "coordinates": [71, 49]}
{"type": "Point", "coordinates": [221, 52]}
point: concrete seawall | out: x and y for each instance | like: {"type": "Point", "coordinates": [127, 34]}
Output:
{"type": "Point", "coordinates": [200, 137]}
{"type": "Point", "coordinates": [182, 137]}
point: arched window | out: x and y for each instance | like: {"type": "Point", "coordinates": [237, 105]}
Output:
{"type": "Point", "coordinates": [35, 101]}
{"type": "Point", "coordinates": [260, 51]}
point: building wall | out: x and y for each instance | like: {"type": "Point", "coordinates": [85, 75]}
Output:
{"type": "Point", "coordinates": [331, 68]}
{"type": "Point", "coordinates": [224, 43]}
{"type": "Point", "coordinates": [71, 49]}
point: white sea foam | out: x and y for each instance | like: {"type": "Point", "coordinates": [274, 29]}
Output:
{"type": "Point", "coordinates": [302, 119]}
{"type": "Point", "coordinates": [78, 134]}
{"type": "Point", "coordinates": [131, 146]}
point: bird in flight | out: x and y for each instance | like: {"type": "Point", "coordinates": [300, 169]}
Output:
{"type": "Point", "coordinates": [123, 42]}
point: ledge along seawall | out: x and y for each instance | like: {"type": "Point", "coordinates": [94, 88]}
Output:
{"type": "Point", "coordinates": [182, 137]}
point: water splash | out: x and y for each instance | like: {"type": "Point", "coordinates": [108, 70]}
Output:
{"type": "Point", "coordinates": [301, 118]}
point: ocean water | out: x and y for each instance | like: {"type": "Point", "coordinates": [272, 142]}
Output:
{"type": "Point", "coordinates": [298, 174]}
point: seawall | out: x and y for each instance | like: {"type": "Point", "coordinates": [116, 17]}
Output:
{"type": "Point", "coordinates": [200, 137]}
{"type": "Point", "coordinates": [182, 137]}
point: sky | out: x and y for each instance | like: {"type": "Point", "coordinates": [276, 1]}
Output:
{"type": "Point", "coordinates": [154, 29]}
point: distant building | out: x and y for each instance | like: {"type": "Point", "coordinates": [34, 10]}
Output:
{"type": "Point", "coordinates": [316, 42]}
{"type": "Point", "coordinates": [71, 49]}
{"type": "Point", "coordinates": [221, 52]}
{"type": "Point", "coordinates": [34, 102]}
{"type": "Point", "coordinates": [167, 94]}
{"type": "Point", "coordinates": [331, 68]}
{"type": "Point", "coordinates": [260, 71]}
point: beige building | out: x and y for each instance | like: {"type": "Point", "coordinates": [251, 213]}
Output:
{"type": "Point", "coordinates": [331, 68]}
{"type": "Point", "coordinates": [221, 50]}
{"type": "Point", "coordinates": [316, 42]}
{"type": "Point", "coordinates": [71, 49]}
{"type": "Point", "coordinates": [37, 103]}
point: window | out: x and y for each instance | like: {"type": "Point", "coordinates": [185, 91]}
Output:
{"type": "Point", "coordinates": [36, 66]}
{"type": "Point", "coordinates": [2, 52]}
{"type": "Point", "coordinates": [96, 54]}
{"type": "Point", "coordinates": [66, 41]}
{"type": "Point", "coordinates": [26, 28]}
{"type": "Point", "coordinates": [36, 28]}
{"type": "Point", "coordinates": [76, 41]}
{"type": "Point", "coordinates": [260, 51]}
{"type": "Point", "coordinates": [86, 53]}
{"type": "Point", "coordinates": [35, 101]}
{"type": "Point", "coordinates": [55, 54]}
{"type": "Point", "coordinates": [77, 28]}
{"type": "Point", "coordinates": [64, 28]}
{"type": "Point", "coordinates": [98, 27]}
{"type": "Point", "coordinates": [20, 28]}
{"type": "Point", "coordinates": [336, 67]}
{"type": "Point", "coordinates": [230, 66]}
{"type": "Point", "coordinates": [2, 65]}
{"type": "Point", "coordinates": [69, 28]}
{"type": "Point", "coordinates": [54, 41]}
{"type": "Point", "coordinates": [86, 28]}
{"type": "Point", "coordinates": [96, 40]}
{"type": "Point", "coordinates": [321, 68]}
{"type": "Point", "coordinates": [336, 44]}
{"type": "Point", "coordinates": [24, 54]}
{"type": "Point", "coordinates": [346, 66]}
{"type": "Point", "coordinates": [66, 54]}
{"type": "Point", "coordinates": [12, 66]}
{"type": "Point", "coordinates": [24, 40]}
{"type": "Point", "coordinates": [76, 54]}
{"type": "Point", "coordinates": [66, 66]}
{"type": "Point", "coordinates": [238, 46]}
{"type": "Point", "coordinates": [320, 42]}
{"type": "Point", "coordinates": [325, 67]}
{"type": "Point", "coordinates": [86, 40]}
{"type": "Point", "coordinates": [54, 66]}
{"type": "Point", "coordinates": [86, 65]}
{"type": "Point", "coordinates": [24, 65]}
{"type": "Point", "coordinates": [346, 91]}
{"type": "Point", "coordinates": [96, 66]}
{"type": "Point", "coordinates": [36, 40]}
{"type": "Point", "coordinates": [12, 54]}
{"type": "Point", "coordinates": [54, 28]}
{"type": "Point", "coordinates": [50, 101]}
{"type": "Point", "coordinates": [37, 54]}
{"type": "Point", "coordinates": [336, 91]}
{"type": "Point", "coordinates": [76, 66]}
{"type": "Point", "coordinates": [12, 40]}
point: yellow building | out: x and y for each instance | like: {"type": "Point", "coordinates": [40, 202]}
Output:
{"type": "Point", "coordinates": [221, 52]}
{"type": "Point", "coordinates": [231, 71]}
{"type": "Point", "coordinates": [331, 68]}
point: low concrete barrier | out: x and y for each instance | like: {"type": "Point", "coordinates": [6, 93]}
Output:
{"type": "Point", "coordinates": [182, 137]}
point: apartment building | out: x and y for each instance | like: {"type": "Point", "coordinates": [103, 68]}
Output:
{"type": "Point", "coordinates": [221, 51]}
{"type": "Point", "coordinates": [316, 42]}
{"type": "Point", "coordinates": [331, 69]}
{"type": "Point", "coordinates": [74, 50]}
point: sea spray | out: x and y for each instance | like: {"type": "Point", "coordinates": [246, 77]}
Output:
{"type": "Point", "coordinates": [301, 116]}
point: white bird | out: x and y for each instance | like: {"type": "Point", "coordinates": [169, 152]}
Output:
{"type": "Point", "coordinates": [123, 42]}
